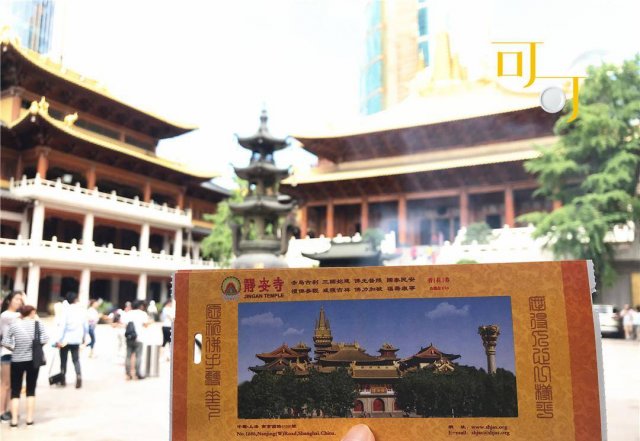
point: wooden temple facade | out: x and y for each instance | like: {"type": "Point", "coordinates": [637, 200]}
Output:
{"type": "Point", "coordinates": [87, 205]}
{"type": "Point", "coordinates": [449, 155]}
{"type": "Point", "coordinates": [423, 182]}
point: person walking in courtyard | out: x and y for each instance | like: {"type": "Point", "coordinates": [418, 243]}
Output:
{"type": "Point", "coordinates": [72, 332]}
{"type": "Point", "coordinates": [135, 321]}
{"type": "Point", "coordinates": [20, 339]}
{"type": "Point", "coordinates": [152, 310]}
{"type": "Point", "coordinates": [11, 305]}
{"type": "Point", "coordinates": [628, 315]}
{"type": "Point", "coordinates": [168, 316]}
{"type": "Point", "coordinates": [92, 317]}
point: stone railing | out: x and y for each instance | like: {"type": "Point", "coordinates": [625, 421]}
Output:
{"type": "Point", "coordinates": [295, 259]}
{"type": "Point", "coordinates": [505, 245]}
{"type": "Point", "coordinates": [103, 257]}
{"type": "Point", "coordinates": [95, 201]}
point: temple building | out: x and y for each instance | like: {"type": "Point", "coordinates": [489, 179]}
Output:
{"type": "Point", "coordinates": [374, 375]}
{"type": "Point", "coordinates": [449, 155]}
{"type": "Point", "coordinates": [87, 204]}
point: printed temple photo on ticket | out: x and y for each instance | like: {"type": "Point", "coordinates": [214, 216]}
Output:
{"type": "Point", "coordinates": [389, 358]}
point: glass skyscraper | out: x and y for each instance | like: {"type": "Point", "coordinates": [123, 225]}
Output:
{"type": "Point", "coordinates": [397, 47]}
{"type": "Point", "coordinates": [372, 78]}
{"type": "Point", "coordinates": [32, 21]}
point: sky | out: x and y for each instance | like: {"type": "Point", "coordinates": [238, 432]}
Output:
{"type": "Point", "coordinates": [451, 324]}
{"type": "Point", "coordinates": [215, 64]}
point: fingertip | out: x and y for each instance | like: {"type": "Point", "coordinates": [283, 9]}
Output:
{"type": "Point", "coordinates": [359, 432]}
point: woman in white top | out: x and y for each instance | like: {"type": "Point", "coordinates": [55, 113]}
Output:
{"type": "Point", "coordinates": [168, 314]}
{"type": "Point", "coordinates": [10, 312]}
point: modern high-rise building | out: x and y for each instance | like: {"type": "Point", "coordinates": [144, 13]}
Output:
{"type": "Point", "coordinates": [32, 22]}
{"type": "Point", "coordinates": [397, 48]}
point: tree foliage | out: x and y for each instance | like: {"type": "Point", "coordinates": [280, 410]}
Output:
{"type": "Point", "coordinates": [479, 232]}
{"type": "Point", "coordinates": [290, 396]}
{"type": "Point", "coordinates": [218, 245]}
{"type": "Point", "coordinates": [374, 235]}
{"type": "Point", "coordinates": [593, 169]}
{"type": "Point", "coordinates": [465, 392]}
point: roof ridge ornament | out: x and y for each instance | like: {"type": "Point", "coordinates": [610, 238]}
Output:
{"type": "Point", "coordinates": [71, 119]}
{"type": "Point", "coordinates": [39, 106]}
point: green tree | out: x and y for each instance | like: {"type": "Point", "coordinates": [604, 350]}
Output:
{"type": "Point", "coordinates": [465, 392]}
{"type": "Point", "coordinates": [260, 398]}
{"type": "Point", "coordinates": [374, 235]}
{"type": "Point", "coordinates": [342, 393]}
{"type": "Point", "coordinates": [318, 398]}
{"type": "Point", "coordinates": [479, 232]}
{"type": "Point", "coordinates": [593, 169]}
{"type": "Point", "coordinates": [218, 244]}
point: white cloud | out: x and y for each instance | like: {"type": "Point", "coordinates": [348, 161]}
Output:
{"type": "Point", "coordinates": [446, 309]}
{"type": "Point", "coordinates": [264, 319]}
{"type": "Point", "coordinates": [293, 331]}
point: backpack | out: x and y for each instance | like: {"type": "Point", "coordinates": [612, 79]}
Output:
{"type": "Point", "coordinates": [130, 332]}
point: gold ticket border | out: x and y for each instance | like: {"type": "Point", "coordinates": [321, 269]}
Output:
{"type": "Point", "coordinates": [572, 345]}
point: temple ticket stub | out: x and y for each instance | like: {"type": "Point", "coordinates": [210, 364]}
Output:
{"type": "Point", "coordinates": [502, 351]}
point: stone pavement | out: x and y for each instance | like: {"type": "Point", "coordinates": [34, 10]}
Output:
{"type": "Point", "coordinates": [622, 388]}
{"type": "Point", "coordinates": [109, 408]}
{"type": "Point", "coordinates": [106, 408]}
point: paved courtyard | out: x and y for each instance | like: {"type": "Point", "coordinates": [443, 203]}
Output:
{"type": "Point", "coordinates": [109, 408]}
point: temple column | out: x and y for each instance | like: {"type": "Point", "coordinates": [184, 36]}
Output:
{"type": "Point", "coordinates": [87, 230]}
{"type": "Point", "coordinates": [509, 207]}
{"type": "Point", "coordinates": [37, 221]}
{"type": "Point", "coordinates": [56, 286]}
{"type": "Point", "coordinates": [464, 209]}
{"type": "Point", "coordinates": [24, 226]}
{"type": "Point", "coordinates": [144, 238]}
{"type": "Point", "coordinates": [146, 193]}
{"type": "Point", "coordinates": [330, 216]}
{"type": "Point", "coordinates": [85, 283]}
{"type": "Point", "coordinates": [364, 215]}
{"type": "Point", "coordinates": [164, 291]}
{"type": "Point", "coordinates": [43, 163]}
{"type": "Point", "coordinates": [142, 287]}
{"type": "Point", "coordinates": [18, 280]}
{"type": "Point", "coordinates": [19, 169]}
{"type": "Point", "coordinates": [195, 251]}
{"type": "Point", "coordinates": [90, 175]}
{"type": "Point", "coordinates": [304, 219]}
{"type": "Point", "coordinates": [33, 284]}
{"type": "Point", "coordinates": [114, 291]}
{"type": "Point", "coordinates": [402, 220]}
{"type": "Point", "coordinates": [177, 243]}
{"type": "Point", "coordinates": [489, 335]}
{"type": "Point", "coordinates": [180, 200]}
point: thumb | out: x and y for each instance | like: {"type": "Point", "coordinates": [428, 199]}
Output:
{"type": "Point", "coordinates": [359, 432]}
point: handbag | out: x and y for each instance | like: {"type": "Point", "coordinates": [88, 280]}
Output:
{"type": "Point", "coordinates": [56, 378]}
{"type": "Point", "coordinates": [37, 351]}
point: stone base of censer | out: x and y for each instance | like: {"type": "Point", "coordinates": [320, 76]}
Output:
{"type": "Point", "coordinates": [259, 260]}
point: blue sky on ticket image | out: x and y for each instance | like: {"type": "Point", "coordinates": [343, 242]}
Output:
{"type": "Point", "coordinates": [451, 324]}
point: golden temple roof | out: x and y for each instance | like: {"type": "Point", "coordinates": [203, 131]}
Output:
{"type": "Point", "coordinates": [11, 42]}
{"type": "Point", "coordinates": [422, 162]}
{"type": "Point", "coordinates": [39, 110]}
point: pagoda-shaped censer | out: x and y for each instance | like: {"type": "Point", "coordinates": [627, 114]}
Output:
{"type": "Point", "coordinates": [261, 240]}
